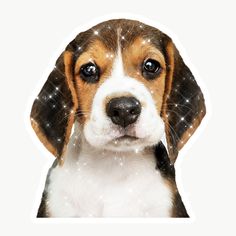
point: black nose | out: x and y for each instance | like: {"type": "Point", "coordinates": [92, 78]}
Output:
{"type": "Point", "coordinates": [123, 111]}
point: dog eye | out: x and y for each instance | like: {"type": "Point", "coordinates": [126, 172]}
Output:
{"type": "Point", "coordinates": [89, 72]}
{"type": "Point", "coordinates": [151, 68]}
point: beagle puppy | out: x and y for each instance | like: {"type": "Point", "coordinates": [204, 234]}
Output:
{"type": "Point", "coordinates": [121, 87]}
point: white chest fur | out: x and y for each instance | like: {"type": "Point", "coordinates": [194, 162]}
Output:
{"type": "Point", "coordinates": [108, 184]}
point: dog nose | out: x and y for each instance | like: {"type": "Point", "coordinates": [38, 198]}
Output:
{"type": "Point", "coordinates": [123, 111]}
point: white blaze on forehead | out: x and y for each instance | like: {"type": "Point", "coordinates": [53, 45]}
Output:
{"type": "Point", "coordinates": [118, 68]}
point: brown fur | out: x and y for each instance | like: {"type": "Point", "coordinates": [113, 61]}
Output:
{"type": "Point", "coordinates": [96, 53]}
{"type": "Point", "coordinates": [43, 138]}
{"type": "Point", "coordinates": [133, 57]}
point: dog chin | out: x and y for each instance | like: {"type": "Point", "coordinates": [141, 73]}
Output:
{"type": "Point", "coordinates": [124, 144]}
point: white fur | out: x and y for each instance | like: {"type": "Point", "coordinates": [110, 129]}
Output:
{"type": "Point", "coordinates": [107, 184]}
{"type": "Point", "coordinates": [106, 178]}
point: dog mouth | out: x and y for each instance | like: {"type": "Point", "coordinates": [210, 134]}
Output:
{"type": "Point", "coordinates": [125, 139]}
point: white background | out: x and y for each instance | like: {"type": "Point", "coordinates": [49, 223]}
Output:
{"type": "Point", "coordinates": [31, 32]}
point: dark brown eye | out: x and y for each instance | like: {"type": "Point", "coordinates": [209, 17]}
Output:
{"type": "Point", "coordinates": [89, 72]}
{"type": "Point", "coordinates": [151, 68]}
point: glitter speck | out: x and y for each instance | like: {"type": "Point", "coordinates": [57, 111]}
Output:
{"type": "Point", "coordinates": [182, 118]}
{"type": "Point", "coordinates": [96, 32]}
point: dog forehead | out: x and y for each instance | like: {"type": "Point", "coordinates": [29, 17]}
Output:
{"type": "Point", "coordinates": [117, 33]}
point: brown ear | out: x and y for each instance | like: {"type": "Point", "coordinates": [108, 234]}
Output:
{"type": "Point", "coordinates": [52, 114]}
{"type": "Point", "coordinates": [183, 106]}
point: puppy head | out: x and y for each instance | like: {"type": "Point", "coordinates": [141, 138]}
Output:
{"type": "Point", "coordinates": [126, 84]}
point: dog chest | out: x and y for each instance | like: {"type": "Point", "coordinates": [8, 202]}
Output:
{"type": "Point", "coordinates": [109, 186]}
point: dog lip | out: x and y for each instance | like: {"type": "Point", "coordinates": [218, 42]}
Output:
{"type": "Point", "coordinates": [127, 137]}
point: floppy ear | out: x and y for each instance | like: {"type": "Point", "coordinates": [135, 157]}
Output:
{"type": "Point", "coordinates": [183, 104]}
{"type": "Point", "coordinates": [52, 114]}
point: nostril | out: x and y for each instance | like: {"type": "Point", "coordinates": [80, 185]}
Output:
{"type": "Point", "coordinates": [115, 113]}
{"type": "Point", "coordinates": [132, 112]}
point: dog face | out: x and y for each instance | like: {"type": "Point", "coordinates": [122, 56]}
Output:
{"type": "Point", "coordinates": [126, 84]}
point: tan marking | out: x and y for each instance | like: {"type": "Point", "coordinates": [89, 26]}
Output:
{"type": "Point", "coordinates": [104, 58]}
{"type": "Point", "coordinates": [185, 137]}
{"type": "Point", "coordinates": [133, 57]}
{"type": "Point", "coordinates": [43, 138]}
{"type": "Point", "coordinates": [168, 86]}
{"type": "Point", "coordinates": [69, 79]}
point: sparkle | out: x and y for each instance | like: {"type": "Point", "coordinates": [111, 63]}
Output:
{"type": "Point", "coordinates": [136, 150]}
{"type": "Point", "coordinates": [79, 48]}
{"type": "Point", "coordinates": [37, 98]}
{"type": "Point", "coordinates": [96, 32]}
{"type": "Point", "coordinates": [71, 111]}
{"type": "Point", "coordinates": [64, 106]}
{"type": "Point", "coordinates": [187, 100]}
{"type": "Point", "coordinates": [50, 96]}
{"type": "Point", "coordinates": [176, 105]}
{"type": "Point", "coordinates": [57, 88]}
{"type": "Point", "coordinates": [122, 37]}
{"type": "Point", "coordinates": [121, 163]}
{"type": "Point", "coordinates": [190, 126]}
{"type": "Point", "coordinates": [47, 124]}
{"type": "Point", "coordinates": [58, 140]}
{"type": "Point", "coordinates": [182, 118]}
{"type": "Point", "coordinates": [140, 26]}
{"type": "Point", "coordinates": [189, 135]}
{"type": "Point", "coordinates": [149, 40]}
